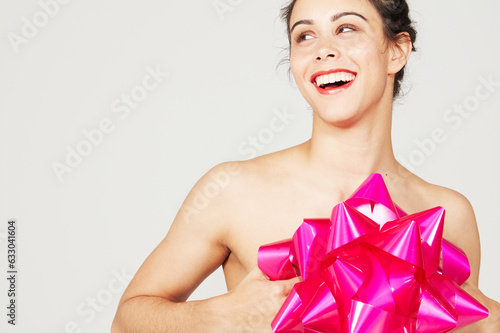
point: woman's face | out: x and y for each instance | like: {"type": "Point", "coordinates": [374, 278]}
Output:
{"type": "Point", "coordinates": [340, 58]}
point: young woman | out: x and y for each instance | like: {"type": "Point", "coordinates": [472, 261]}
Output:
{"type": "Point", "coordinates": [347, 58]}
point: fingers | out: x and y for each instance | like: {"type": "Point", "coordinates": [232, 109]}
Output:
{"type": "Point", "coordinates": [288, 284]}
{"type": "Point", "coordinates": [285, 286]}
{"type": "Point", "coordinates": [293, 281]}
{"type": "Point", "coordinates": [256, 273]}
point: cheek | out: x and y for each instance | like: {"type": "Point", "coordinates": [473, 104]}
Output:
{"type": "Point", "coordinates": [359, 48]}
{"type": "Point", "coordinates": [369, 58]}
{"type": "Point", "coordinates": [298, 65]}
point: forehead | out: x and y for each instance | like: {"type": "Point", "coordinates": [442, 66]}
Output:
{"type": "Point", "coordinates": [316, 9]}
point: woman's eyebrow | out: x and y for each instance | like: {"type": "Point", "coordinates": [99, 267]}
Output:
{"type": "Point", "coordinates": [306, 22]}
{"type": "Point", "coordinates": [333, 19]}
{"type": "Point", "coordinates": [339, 15]}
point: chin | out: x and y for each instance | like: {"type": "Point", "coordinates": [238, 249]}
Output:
{"type": "Point", "coordinates": [340, 114]}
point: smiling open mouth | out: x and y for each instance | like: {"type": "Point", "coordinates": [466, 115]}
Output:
{"type": "Point", "coordinates": [333, 82]}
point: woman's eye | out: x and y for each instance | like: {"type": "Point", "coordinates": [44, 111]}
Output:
{"type": "Point", "coordinates": [345, 28]}
{"type": "Point", "coordinates": [303, 37]}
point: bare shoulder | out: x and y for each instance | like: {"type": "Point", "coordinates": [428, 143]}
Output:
{"type": "Point", "coordinates": [458, 208]}
{"type": "Point", "coordinates": [460, 225]}
{"type": "Point", "coordinates": [237, 176]}
{"type": "Point", "coordinates": [228, 187]}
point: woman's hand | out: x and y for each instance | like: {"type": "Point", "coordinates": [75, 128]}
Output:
{"type": "Point", "coordinates": [256, 301]}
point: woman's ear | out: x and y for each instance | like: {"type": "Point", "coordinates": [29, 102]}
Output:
{"type": "Point", "coordinates": [400, 53]}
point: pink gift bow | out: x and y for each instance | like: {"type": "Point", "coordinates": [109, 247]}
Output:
{"type": "Point", "coordinates": [371, 268]}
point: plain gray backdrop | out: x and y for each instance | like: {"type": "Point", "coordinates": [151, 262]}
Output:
{"type": "Point", "coordinates": [86, 224]}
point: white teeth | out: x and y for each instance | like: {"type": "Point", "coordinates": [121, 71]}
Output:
{"type": "Point", "coordinates": [334, 77]}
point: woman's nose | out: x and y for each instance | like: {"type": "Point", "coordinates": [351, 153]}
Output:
{"type": "Point", "coordinates": [325, 55]}
{"type": "Point", "coordinates": [325, 50]}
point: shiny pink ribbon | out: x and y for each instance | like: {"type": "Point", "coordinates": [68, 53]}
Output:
{"type": "Point", "coordinates": [371, 268]}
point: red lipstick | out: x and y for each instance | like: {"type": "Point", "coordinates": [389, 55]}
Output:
{"type": "Point", "coordinates": [332, 90]}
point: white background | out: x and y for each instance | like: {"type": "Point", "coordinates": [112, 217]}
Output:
{"type": "Point", "coordinates": [107, 215]}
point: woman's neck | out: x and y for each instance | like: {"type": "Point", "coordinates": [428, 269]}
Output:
{"type": "Point", "coordinates": [347, 155]}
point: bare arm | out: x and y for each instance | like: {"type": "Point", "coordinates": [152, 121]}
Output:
{"type": "Point", "coordinates": [155, 300]}
{"type": "Point", "coordinates": [461, 229]}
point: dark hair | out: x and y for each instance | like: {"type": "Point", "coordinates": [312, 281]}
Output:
{"type": "Point", "coordinates": [395, 17]}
